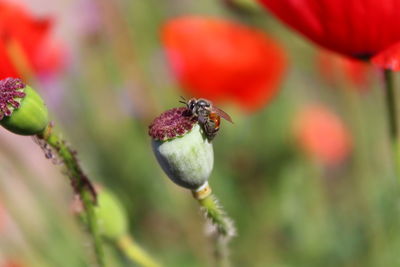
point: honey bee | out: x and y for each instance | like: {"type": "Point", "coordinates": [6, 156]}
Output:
{"type": "Point", "coordinates": [208, 115]}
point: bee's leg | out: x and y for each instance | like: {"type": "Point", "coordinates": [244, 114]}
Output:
{"type": "Point", "coordinates": [211, 131]}
{"type": "Point", "coordinates": [202, 120]}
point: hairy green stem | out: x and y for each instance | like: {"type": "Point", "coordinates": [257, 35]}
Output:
{"type": "Point", "coordinates": [225, 229]}
{"type": "Point", "coordinates": [135, 253]}
{"type": "Point", "coordinates": [80, 183]}
{"type": "Point", "coordinates": [393, 118]}
{"type": "Point", "coordinates": [217, 216]}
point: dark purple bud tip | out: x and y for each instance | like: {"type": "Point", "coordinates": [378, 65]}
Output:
{"type": "Point", "coordinates": [11, 93]}
{"type": "Point", "coordinates": [172, 123]}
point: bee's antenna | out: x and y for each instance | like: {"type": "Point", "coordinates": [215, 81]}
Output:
{"type": "Point", "coordinates": [183, 101]}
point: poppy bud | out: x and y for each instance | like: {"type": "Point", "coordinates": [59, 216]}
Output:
{"type": "Point", "coordinates": [22, 110]}
{"type": "Point", "coordinates": [181, 148]}
{"type": "Point", "coordinates": [112, 219]}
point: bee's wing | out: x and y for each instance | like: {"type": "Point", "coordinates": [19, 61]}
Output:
{"type": "Point", "coordinates": [222, 114]}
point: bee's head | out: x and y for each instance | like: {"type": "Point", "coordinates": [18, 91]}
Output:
{"type": "Point", "coordinates": [203, 103]}
{"type": "Point", "coordinates": [192, 105]}
{"type": "Point", "coordinates": [196, 105]}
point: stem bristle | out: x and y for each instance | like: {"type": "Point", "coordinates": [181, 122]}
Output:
{"type": "Point", "coordinates": [218, 221]}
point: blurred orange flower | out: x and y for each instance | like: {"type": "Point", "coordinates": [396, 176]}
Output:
{"type": "Point", "coordinates": [322, 134]}
{"type": "Point", "coordinates": [222, 60]}
{"type": "Point", "coordinates": [335, 68]}
{"type": "Point", "coordinates": [26, 46]}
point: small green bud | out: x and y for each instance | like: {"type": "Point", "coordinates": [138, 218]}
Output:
{"type": "Point", "coordinates": [22, 110]}
{"type": "Point", "coordinates": [181, 148]}
{"type": "Point", "coordinates": [111, 215]}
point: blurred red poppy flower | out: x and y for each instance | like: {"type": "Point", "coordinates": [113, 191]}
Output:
{"type": "Point", "coordinates": [335, 68]}
{"type": "Point", "coordinates": [388, 58]}
{"type": "Point", "coordinates": [11, 263]}
{"type": "Point", "coordinates": [26, 46]}
{"type": "Point", "coordinates": [222, 60]}
{"type": "Point", "coordinates": [322, 134]}
{"type": "Point", "coordinates": [354, 28]}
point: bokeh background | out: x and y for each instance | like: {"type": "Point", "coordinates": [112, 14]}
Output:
{"type": "Point", "coordinates": [307, 177]}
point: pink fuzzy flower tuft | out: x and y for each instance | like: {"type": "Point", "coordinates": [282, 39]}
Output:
{"type": "Point", "coordinates": [172, 123]}
{"type": "Point", "coordinates": [10, 92]}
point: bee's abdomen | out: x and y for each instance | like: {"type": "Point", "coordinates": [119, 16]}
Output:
{"type": "Point", "coordinates": [216, 119]}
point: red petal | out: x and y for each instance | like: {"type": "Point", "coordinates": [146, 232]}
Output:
{"type": "Point", "coordinates": [388, 58]}
{"type": "Point", "coordinates": [351, 27]}
{"type": "Point", "coordinates": [32, 37]}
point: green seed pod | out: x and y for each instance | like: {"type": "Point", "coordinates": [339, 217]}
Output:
{"type": "Point", "coordinates": [112, 219]}
{"type": "Point", "coordinates": [22, 110]}
{"type": "Point", "coordinates": [181, 148]}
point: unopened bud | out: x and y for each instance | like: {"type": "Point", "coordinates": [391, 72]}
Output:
{"type": "Point", "coordinates": [111, 215]}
